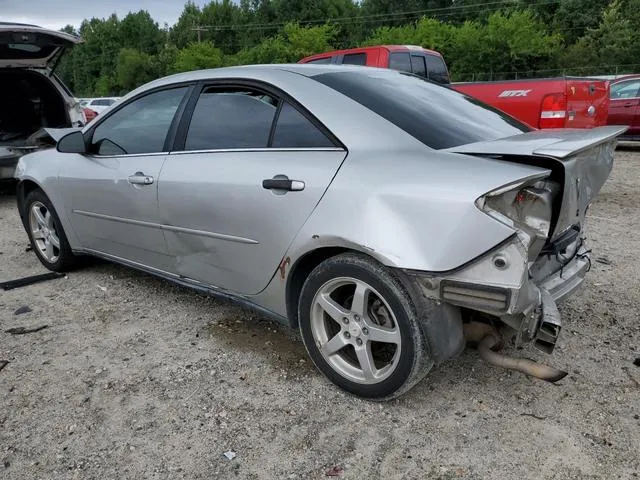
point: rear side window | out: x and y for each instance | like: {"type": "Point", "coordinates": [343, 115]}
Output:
{"type": "Point", "coordinates": [321, 60]}
{"type": "Point", "coordinates": [231, 118]}
{"type": "Point", "coordinates": [435, 115]}
{"type": "Point", "coordinates": [140, 126]}
{"type": "Point", "coordinates": [294, 130]}
{"type": "Point", "coordinates": [418, 66]}
{"type": "Point", "coordinates": [623, 90]}
{"type": "Point", "coordinates": [437, 70]}
{"type": "Point", "coordinates": [355, 59]}
{"type": "Point", "coordinates": [400, 61]}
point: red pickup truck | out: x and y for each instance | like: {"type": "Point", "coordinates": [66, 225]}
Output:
{"type": "Point", "coordinates": [566, 102]}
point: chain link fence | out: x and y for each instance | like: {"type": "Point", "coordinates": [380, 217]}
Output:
{"type": "Point", "coordinates": [609, 71]}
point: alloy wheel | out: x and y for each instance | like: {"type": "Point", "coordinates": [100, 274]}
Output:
{"type": "Point", "coordinates": [355, 330]}
{"type": "Point", "coordinates": [44, 233]}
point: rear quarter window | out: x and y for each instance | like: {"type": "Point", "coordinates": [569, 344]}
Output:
{"type": "Point", "coordinates": [321, 60]}
{"type": "Point", "coordinates": [355, 59]}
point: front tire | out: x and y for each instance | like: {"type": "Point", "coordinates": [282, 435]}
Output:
{"type": "Point", "coordinates": [360, 328]}
{"type": "Point", "coordinates": [45, 232]}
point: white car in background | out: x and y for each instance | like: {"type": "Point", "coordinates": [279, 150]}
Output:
{"type": "Point", "coordinates": [99, 105]}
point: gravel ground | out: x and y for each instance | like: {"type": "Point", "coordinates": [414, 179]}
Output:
{"type": "Point", "coordinates": [137, 378]}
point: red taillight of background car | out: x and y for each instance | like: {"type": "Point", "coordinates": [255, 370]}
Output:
{"type": "Point", "coordinates": [553, 111]}
{"type": "Point", "coordinates": [89, 114]}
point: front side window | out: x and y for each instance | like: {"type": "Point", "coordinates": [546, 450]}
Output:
{"type": "Point", "coordinates": [231, 118]}
{"type": "Point", "coordinates": [355, 59]}
{"type": "Point", "coordinates": [294, 130]}
{"type": "Point", "coordinates": [437, 69]}
{"type": "Point", "coordinates": [435, 115]}
{"type": "Point", "coordinates": [140, 126]}
{"type": "Point", "coordinates": [400, 61]}
{"type": "Point", "coordinates": [625, 90]}
{"type": "Point", "coordinates": [418, 66]}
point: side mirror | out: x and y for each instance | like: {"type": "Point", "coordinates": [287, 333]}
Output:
{"type": "Point", "coordinates": [72, 143]}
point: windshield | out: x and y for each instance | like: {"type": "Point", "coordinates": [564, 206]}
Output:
{"type": "Point", "coordinates": [436, 115]}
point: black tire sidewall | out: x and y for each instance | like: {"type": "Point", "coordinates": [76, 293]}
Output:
{"type": "Point", "coordinates": [66, 259]}
{"type": "Point", "coordinates": [397, 298]}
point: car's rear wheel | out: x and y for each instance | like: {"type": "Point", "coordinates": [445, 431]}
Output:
{"type": "Point", "coordinates": [360, 328]}
{"type": "Point", "coordinates": [47, 237]}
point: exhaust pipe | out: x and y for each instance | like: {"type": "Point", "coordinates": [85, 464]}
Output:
{"type": "Point", "coordinates": [487, 338]}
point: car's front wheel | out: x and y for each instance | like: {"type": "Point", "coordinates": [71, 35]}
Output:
{"type": "Point", "coordinates": [360, 328]}
{"type": "Point", "coordinates": [47, 237]}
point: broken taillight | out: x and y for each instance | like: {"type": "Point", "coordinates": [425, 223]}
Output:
{"type": "Point", "coordinates": [527, 207]}
{"type": "Point", "coordinates": [553, 111]}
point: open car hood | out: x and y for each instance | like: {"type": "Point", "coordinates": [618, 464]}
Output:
{"type": "Point", "coordinates": [29, 46]}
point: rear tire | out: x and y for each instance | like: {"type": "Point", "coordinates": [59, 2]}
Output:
{"type": "Point", "coordinates": [360, 328]}
{"type": "Point", "coordinates": [46, 235]}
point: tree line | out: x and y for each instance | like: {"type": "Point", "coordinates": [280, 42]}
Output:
{"type": "Point", "coordinates": [480, 39]}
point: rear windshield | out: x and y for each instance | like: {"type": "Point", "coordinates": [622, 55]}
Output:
{"type": "Point", "coordinates": [436, 115]}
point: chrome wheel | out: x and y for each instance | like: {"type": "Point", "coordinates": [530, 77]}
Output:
{"type": "Point", "coordinates": [355, 330]}
{"type": "Point", "coordinates": [44, 233]}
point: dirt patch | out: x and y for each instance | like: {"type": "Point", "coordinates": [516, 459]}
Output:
{"type": "Point", "coordinates": [137, 378]}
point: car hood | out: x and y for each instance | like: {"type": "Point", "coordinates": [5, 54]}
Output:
{"type": "Point", "coordinates": [29, 46]}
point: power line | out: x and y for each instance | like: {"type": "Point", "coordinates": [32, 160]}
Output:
{"type": "Point", "coordinates": [376, 18]}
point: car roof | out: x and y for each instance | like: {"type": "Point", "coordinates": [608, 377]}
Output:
{"type": "Point", "coordinates": [391, 48]}
{"type": "Point", "coordinates": [307, 70]}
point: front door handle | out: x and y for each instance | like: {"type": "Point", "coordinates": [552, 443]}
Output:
{"type": "Point", "coordinates": [140, 178]}
{"type": "Point", "coordinates": [628, 105]}
{"type": "Point", "coordinates": [283, 183]}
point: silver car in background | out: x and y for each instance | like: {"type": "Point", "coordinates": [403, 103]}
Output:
{"type": "Point", "coordinates": [391, 220]}
{"type": "Point", "coordinates": [32, 97]}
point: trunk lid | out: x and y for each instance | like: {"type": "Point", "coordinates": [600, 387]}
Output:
{"type": "Point", "coordinates": [29, 46]}
{"type": "Point", "coordinates": [586, 157]}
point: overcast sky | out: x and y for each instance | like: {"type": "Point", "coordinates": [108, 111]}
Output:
{"type": "Point", "coordinates": [58, 13]}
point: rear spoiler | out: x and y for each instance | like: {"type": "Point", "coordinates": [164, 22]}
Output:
{"type": "Point", "coordinates": [556, 143]}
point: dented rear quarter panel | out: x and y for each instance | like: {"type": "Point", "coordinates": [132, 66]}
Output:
{"type": "Point", "coordinates": [407, 210]}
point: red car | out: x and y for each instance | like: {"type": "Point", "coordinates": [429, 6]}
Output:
{"type": "Point", "coordinates": [542, 103]}
{"type": "Point", "coordinates": [624, 107]}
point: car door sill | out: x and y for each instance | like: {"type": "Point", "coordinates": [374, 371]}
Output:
{"type": "Point", "coordinates": [189, 283]}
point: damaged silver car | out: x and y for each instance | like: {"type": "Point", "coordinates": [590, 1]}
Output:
{"type": "Point", "coordinates": [390, 219]}
{"type": "Point", "coordinates": [32, 97]}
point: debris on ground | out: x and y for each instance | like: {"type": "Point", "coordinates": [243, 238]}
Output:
{"type": "Point", "coordinates": [537, 417]}
{"type": "Point", "coordinates": [104, 289]}
{"type": "Point", "coordinates": [230, 455]}
{"type": "Point", "coordinates": [603, 260]}
{"type": "Point", "coordinates": [23, 309]}
{"type": "Point", "coordinates": [23, 330]}
{"type": "Point", "coordinates": [3, 363]}
{"type": "Point", "coordinates": [22, 282]}
{"type": "Point", "coordinates": [335, 471]}
{"type": "Point", "coordinates": [636, 362]}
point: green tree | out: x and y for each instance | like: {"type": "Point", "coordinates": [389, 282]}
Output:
{"type": "Point", "coordinates": [612, 47]}
{"type": "Point", "coordinates": [198, 56]}
{"type": "Point", "coordinates": [134, 68]}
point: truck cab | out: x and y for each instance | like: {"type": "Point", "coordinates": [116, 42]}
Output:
{"type": "Point", "coordinates": [407, 58]}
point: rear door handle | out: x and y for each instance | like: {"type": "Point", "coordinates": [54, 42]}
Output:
{"type": "Point", "coordinates": [283, 183]}
{"type": "Point", "coordinates": [140, 178]}
{"type": "Point", "coordinates": [627, 105]}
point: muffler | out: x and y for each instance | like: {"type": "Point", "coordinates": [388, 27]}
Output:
{"type": "Point", "coordinates": [487, 338]}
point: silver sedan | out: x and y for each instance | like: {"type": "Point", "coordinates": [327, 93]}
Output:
{"type": "Point", "coordinates": [390, 219]}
